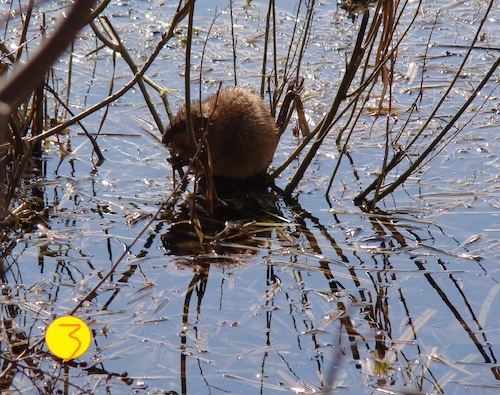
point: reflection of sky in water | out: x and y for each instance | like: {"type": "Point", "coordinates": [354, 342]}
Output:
{"type": "Point", "coordinates": [409, 296]}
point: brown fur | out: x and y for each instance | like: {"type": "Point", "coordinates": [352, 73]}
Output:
{"type": "Point", "coordinates": [241, 134]}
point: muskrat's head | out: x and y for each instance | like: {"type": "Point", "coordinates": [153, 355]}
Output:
{"type": "Point", "coordinates": [176, 137]}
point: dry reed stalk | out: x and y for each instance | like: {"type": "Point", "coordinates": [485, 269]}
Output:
{"type": "Point", "coordinates": [233, 43]}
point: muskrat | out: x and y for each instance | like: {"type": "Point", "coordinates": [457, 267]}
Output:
{"type": "Point", "coordinates": [241, 134]}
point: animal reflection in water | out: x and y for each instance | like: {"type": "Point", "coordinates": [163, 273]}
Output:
{"type": "Point", "coordinates": [224, 239]}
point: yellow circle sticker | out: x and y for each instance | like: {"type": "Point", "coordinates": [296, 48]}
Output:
{"type": "Point", "coordinates": [67, 337]}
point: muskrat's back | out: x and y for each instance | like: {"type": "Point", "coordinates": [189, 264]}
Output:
{"type": "Point", "coordinates": [241, 134]}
